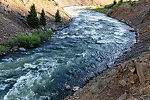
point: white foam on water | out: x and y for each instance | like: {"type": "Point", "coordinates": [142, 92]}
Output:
{"type": "Point", "coordinates": [40, 67]}
{"type": "Point", "coordinates": [3, 86]}
{"type": "Point", "coordinates": [7, 59]}
{"type": "Point", "coordinates": [27, 65]}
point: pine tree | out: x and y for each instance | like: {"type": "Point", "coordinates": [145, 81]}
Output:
{"type": "Point", "coordinates": [32, 18]}
{"type": "Point", "coordinates": [57, 17]}
{"type": "Point", "coordinates": [120, 2]}
{"type": "Point", "coordinates": [42, 18]}
{"type": "Point", "coordinates": [114, 3]}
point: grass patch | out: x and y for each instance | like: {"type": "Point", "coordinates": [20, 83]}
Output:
{"type": "Point", "coordinates": [99, 84]}
{"type": "Point", "coordinates": [4, 49]}
{"type": "Point", "coordinates": [14, 48]}
{"type": "Point", "coordinates": [28, 41]}
{"type": "Point", "coordinates": [33, 40]}
{"type": "Point", "coordinates": [25, 41]}
{"type": "Point", "coordinates": [43, 35]}
{"type": "Point", "coordinates": [132, 3]}
{"type": "Point", "coordinates": [102, 10]}
{"type": "Point", "coordinates": [114, 6]}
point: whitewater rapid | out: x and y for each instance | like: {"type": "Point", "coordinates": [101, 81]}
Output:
{"type": "Point", "coordinates": [70, 57]}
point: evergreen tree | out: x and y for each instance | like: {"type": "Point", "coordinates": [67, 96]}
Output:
{"type": "Point", "coordinates": [120, 2]}
{"type": "Point", "coordinates": [42, 18]}
{"type": "Point", "coordinates": [57, 17]}
{"type": "Point", "coordinates": [32, 18]}
{"type": "Point", "coordinates": [114, 3]}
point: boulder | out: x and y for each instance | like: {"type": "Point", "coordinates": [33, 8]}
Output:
{"type": "Point", "coordinates": [122, 82]}
{"type": "Point", "coordinates": [67, 87]}
{"type": "Point", "coordinates": [140, 74]}
{"type": "Point", "coordinates": [132, 30]}
{"type": "Point", "coordinates": [110, 11]}
{"type": "Point", "coordinates": [131, 69]}
{"type": "Point", "coordinates": [2, 9]}
{"type": "Point", "coordinates": [22, 49]}
{"type": "Point", "coordinates": [132, 98]}
{"type": "Point", "coordinates": [122, 97]}
{"type": "Point", "coordinates": [75, 88]}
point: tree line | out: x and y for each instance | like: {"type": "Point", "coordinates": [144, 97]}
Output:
{"type": "Point", "coordinates": [35, 22]}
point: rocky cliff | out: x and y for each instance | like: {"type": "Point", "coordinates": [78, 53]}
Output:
{"type": "Point", "coordinates": [131, 79]}
{"type": "Point", "coordinates": [13, 13]}
{"type": "Point", "coordinates": [137, 16]}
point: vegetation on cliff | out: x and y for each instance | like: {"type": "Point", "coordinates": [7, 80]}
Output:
{"type": "Point", "coordinates": [25, 41]}
{"type": "Point", "coordinates": [106, 8]}
{"type": "Point", "coordinates": [32, 18]}
{"type": "Point", "coordinates": [42, 18]}
{"type": "Point", "coordinates": [57, 17]}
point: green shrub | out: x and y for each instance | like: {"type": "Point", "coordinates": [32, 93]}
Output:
{"type": "Point", "coordinates": [25, 41]}
{"type": "Point", "coordinates": [108, 6]}
{"type": "Point", "coordinates": [15, 47]}
{"type": "Point", "coordinates": [11, 42]}
{"type": "Point", "coordinates": [37, 32]}
{"type": "Point", "coordinates": [32, 18]}
{"type": "Point", "coordinates": [4, 49]}
{"type": "Point", "coordinates": [132, 3]}
{"type": "Point", "coordinates": [111, 5]}
{"type": "Point", "coordinates": [115, 2]}
{"type": "Point", "coordinates": [28, 41]}
{"type": "Point", "coordinates": [115, 7]}
{"type": "Point", "coordinates": [120, 2]}
{"type": "Point", "coordinates": [57, 17]}
{"type": "Point", "coordinates": [49, 31]}
{"type": "Point", "coordinates": [34, 40]}
{"type": "Point", "coordinates": [99, 84]}
{"type": "Point", "coordinates": [102, 10]}
{"type": "Point", "coordinates": [22, 40]}
{"type": "Point", "coordinates": [42, 18]}
{"type": "Point", "coordinates": [43, 35]}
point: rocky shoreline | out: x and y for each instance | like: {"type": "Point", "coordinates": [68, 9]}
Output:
{"type": "Point", "coordinates": [124, 83]}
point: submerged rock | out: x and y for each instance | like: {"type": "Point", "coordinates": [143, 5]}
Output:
{"type": "Point", "coordinates": [122, 83]}
{"type": "Point", "coordinates": [67, 87]}
{"type": "Point", "coordinates": [75, 88]}
{"type": "Point", "coordinates": [22, 49]}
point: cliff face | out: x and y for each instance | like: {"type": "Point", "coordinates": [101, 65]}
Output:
{"type": "Point", "coordinates": [137, 16]}
{"type": "Point", "coordinates": [64, 3]}
{"type": "Point", "coordinates": [131, 80]}
{"type": "Point", "coordinates": [13, 13]}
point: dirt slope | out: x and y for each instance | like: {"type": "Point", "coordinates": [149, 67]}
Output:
{"type": "Point", "coordinates": [13, 14]}
{"type": "Point", "coordinates": [138, 17]}
{"type": "Point", "coordinates": [124, 83]}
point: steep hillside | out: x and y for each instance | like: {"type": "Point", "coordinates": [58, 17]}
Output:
{"type": "Point", "coordinates": [13, 16]}
{"type": "Point", "coordinates": [138, 17]}
{"type": "Point", "coordinates": [131, 79]}
{"type": "Point", "coordinates": [64, 3]}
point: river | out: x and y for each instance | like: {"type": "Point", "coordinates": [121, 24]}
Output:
{"type": "Point", "coordinates": [72, 55]}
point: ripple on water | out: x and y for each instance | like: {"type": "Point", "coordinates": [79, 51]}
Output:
{"type": "Point", "coordinates": [71, 56]}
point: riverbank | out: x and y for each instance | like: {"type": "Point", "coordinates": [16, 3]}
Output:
{"type": "Point", "coordinates": [24, 41]}
{"type": "Point", "coordinates": [124, 83]}
{"type": "Point", "coordinates": [29, 39]}
{"type": "Point", "coordinates": [50, 69]}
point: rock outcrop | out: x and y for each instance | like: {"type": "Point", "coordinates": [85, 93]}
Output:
{"type": "Point", "coordinates": [13, 14]}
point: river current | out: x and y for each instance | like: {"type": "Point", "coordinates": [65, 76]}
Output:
{"type": "Point", "coordinates": [72, 55]}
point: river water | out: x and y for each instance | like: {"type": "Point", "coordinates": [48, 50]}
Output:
{"type": "Point", "coordinates": [71, 56]}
